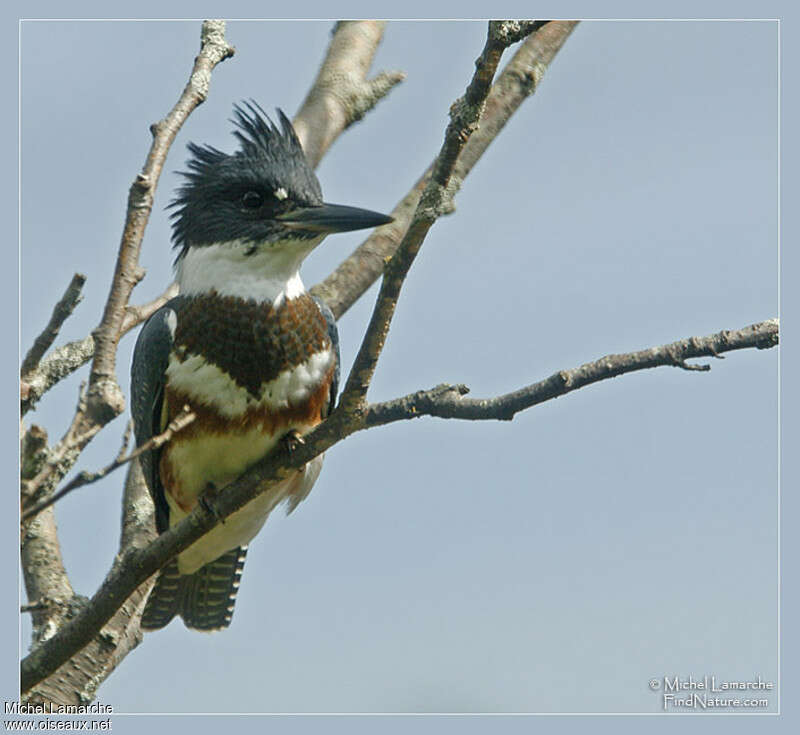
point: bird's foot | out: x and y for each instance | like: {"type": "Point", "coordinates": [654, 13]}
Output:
{"type": "Point", "coordinates": [293, 439]}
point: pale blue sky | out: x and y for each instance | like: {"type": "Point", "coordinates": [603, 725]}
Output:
{"type": "Point", "coordinates": [553, 564]}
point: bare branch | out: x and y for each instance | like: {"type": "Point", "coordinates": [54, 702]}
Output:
{"type": "Point", "coordinates": [67, 359]}
{"type": "Point", "coordinates": [436, 199]}
{"type": "Point", "coordinates": [509, 32]}
{"type": "Point", "coordinates": [77, 680]}
{"type": "Point", "coordinates": [137, 565]}
{"type": "Point", "coordinates": [63, 361]}
{"type": "Point", "coordinates": [46, 580]}
{"type": "Point", "coordinates": [446, 401]}
{"type": "Point", "coordinates": [519, 80]}
{"type": "Point", "coordinates": [104, 400]}
{"type": "Point", "coordinates": [62, 456]}
{"type": "Point", "coordinates": [135, 315]}
{"type": "Point", "coordinates": [183, 419]}
{"type": "Point", "coordinates": [126, 438]}
{"type": "Point", "coordinates": [341, 93]}
{"type": "Point", "coordinates": [138, 518]}
{"type": "Point", "coordinates": [61, 312]}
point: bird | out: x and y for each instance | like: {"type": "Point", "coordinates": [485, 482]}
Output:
{"type": "Point", "coordinates": [252, 354]}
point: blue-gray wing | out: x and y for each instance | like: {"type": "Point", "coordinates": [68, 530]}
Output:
{"type": "Point", "coordinates": [333, 334]}
{"type": "Point", "coordinates": [150, 360]}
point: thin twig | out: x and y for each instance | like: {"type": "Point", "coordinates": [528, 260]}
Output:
{"type": "Point", "coordinates": [135, 315]}
{"type": "Point", "coordinates": [447, 401]}
{"type": "Point", "coordinates": [104, 395]}
{"type": "Point", "coordinates": [183, 419]}
{"type": "Point", "coordinates": [61, 311]}
{"type": "Point", "coordinates": [126, 438]}
{"type": "Point", "coordinates": [518, 81]}
{"type": "Point", "coordinates": [63, 455]}
{"type": "Point", "coordinates": [435, 201]}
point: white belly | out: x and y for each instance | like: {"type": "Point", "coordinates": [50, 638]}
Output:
{"type": "Point", "coordinates": [219, 460]}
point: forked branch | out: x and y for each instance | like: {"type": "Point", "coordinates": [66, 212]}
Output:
{"type": "Point", "coordinates": [103, 399]}
{"type": "Point", "coordinates": [181, 421]}
{"type": "Point", "coordinates": [444, 401]}
{"type": "Point", "coordinates": [519, 80]}
{"type": "Point", "coordinates": [341, 93]}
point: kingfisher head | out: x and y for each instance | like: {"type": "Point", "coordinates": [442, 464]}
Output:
{"type": "Point", "coordinates": [243, 222]}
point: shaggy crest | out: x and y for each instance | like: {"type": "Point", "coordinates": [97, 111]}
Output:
{"type": "Point", "coordinates": [266, 156]}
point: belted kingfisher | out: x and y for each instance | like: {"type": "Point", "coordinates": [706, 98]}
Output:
{"type": "Point", "coordinates": [244, 345]}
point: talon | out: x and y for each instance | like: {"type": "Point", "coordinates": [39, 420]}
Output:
{"type": "Point", "coordinates": [293, 439]}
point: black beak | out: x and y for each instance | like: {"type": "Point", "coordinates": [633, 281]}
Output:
{"type": "Point", "coordinates": [333, 218]}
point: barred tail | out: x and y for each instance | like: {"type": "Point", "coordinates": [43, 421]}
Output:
{"type": "Point", "coordinates": [204, 599]}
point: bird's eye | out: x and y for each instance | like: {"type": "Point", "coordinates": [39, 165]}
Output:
{"type": "Point", "coordinates": [252, 200]}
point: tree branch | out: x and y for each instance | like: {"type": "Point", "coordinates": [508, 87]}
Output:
{"type": "Point", "coordinates": [518, 81]}
{"type": "Point", "coordinates": [43, 571]}
{"type": "Point", "coordinates": [137, 565]}
{"type": "Point", "coordinates": [77, 679]}
{"type": "Point", "coordinates": [63, 361]}
{"type": "Point", "coordinates": [45, 577]}
{"type": "Point", "coordinates": [135, 315]}
{"type": "Point", "coordinates": [182, 420]}
{"type": "Point", "coordinates": [62, 456]}
{"type": "Point", "coordinates": [61, 312]}
{"type": "Point", "coordinates": [66, 359]}
{"type": "Point", "coordinates": [341, 93]}
{"type": "Point", "coordinates": [446, 401]}
{"type": "Point", "coordinates": [103, 400]}
{"type": "Point", "coordinates": [436, 200]}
